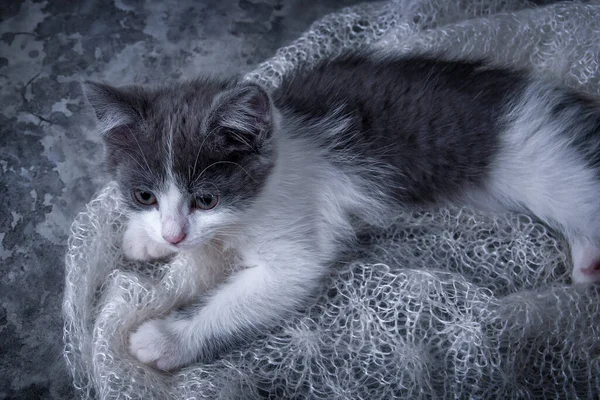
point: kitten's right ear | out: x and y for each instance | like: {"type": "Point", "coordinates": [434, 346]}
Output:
{"type": "Point", "coordinates": [114, 107]}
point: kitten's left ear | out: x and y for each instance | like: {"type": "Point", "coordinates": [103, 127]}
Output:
{"type": "Point", "coordinates": [244, 117]}
{"type": "Point", "coordinates": [114, 107]}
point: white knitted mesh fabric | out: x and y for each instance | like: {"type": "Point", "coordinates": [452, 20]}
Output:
{"type": "Point", "coordinates": [445, 304]}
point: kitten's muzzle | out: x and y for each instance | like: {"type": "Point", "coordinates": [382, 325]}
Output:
{"type": "Point", "coordinates": [174, 238]}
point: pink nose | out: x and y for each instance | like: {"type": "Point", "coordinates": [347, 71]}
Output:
{"type": "Point", "coordinates": [174, 239]}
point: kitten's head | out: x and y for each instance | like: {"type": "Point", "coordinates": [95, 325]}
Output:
{"type": "Point", "coordinates": [189, 158]}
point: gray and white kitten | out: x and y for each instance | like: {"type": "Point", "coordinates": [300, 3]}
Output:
{"type": "Point", "coordinates": [276, 178]}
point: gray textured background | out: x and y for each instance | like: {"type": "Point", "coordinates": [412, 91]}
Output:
{"type": "Point", "coordinates": [49, 154]}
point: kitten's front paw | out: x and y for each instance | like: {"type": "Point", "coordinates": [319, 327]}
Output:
{"type": "Point", "coordinates": [138, 246]}
{"type": "Point", "coordinates": [154, 343]}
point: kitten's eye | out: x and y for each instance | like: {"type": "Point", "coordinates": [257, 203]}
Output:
{"type": "Point", "coordinates": [205, 201]}
{"type": "Point", "coordinates": [144, 198]}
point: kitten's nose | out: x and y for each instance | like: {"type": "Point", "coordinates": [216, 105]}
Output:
{"type": "Point", "coordinates": [174, 239]}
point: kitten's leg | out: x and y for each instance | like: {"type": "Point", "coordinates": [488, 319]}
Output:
{"type": "Point", "coordinates": [548, 165]}
{"type": "Point", "coordinates": [138, 245]}
{"type": "Point", "coordinates": [252, 301]}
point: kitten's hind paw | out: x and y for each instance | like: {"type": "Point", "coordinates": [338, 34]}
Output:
{"type": "Point", "coordinates": [589, 274]}
{"type": "Point", "coordinates": [586, 263]}
{"type": "Point", "coordinates": [156, 344]}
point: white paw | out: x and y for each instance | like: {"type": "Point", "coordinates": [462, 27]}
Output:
{"type": "Point", "coordinates": [588, 274]}
{"type": "Point", "coordinates": [586, 263]}
{"type": "Point", "coordinates": [138, 246]}
{"type": "Point", "coordinates": [155, 344]}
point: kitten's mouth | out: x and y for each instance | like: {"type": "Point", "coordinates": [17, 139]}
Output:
{"type": "Point", "coordinates": [172, 247]}
{"type": "Point", "coordinates": [181, 246]}
{"type": "Point", "coordinates": [191, 245]}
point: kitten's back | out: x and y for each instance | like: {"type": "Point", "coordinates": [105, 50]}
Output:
{"type": "Point", "coordinates": [437, 122]}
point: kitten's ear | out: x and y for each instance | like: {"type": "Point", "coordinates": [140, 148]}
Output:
{"type": "Point", "coordinates": [243, 117]}
{"type": "Point", "coordinates": [115, 108]}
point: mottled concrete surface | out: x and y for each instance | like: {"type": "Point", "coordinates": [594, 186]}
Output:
{"type": "Point", "coordinates": [50, 155]}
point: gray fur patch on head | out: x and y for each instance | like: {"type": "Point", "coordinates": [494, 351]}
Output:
{"type": "Point", "coordinates": [203, 134]}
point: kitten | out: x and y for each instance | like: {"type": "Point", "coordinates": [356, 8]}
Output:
{"type": "Point", "coordinates": [277, 177]}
